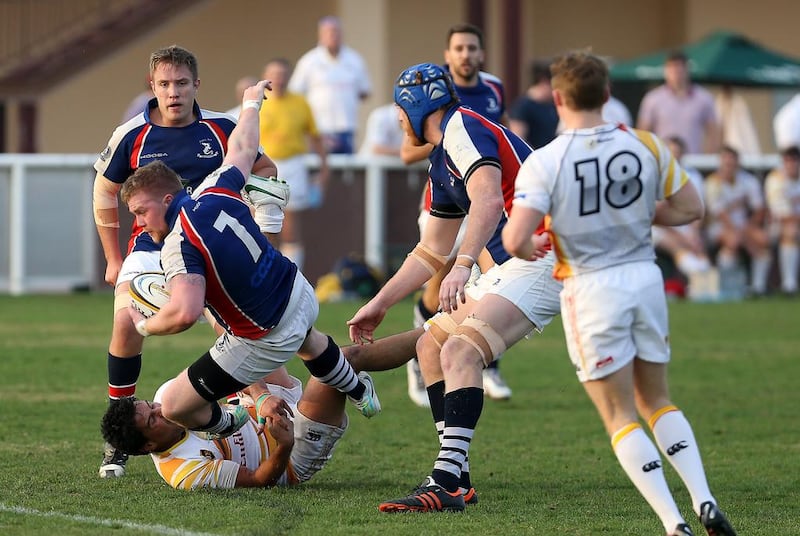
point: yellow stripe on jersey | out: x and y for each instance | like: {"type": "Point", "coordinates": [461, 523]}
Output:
{"type": "Point", "coordinates": [620, 434]}
{"type": "Point", "coordinates": [651, 422]}
{"type": "Point", "coordinates": [655, 145]}
{"type": "Point", "coordinates": [562, 268]}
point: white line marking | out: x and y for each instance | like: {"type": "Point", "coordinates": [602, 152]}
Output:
{"type": "Point", "coordinates": [157, 529]}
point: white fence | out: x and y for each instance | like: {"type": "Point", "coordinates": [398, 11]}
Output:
{"type": "Point", "coordinates": [48, 241]}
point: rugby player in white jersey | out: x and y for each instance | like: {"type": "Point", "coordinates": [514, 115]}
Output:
{"type": "Point", "coordinates": [603, 186]}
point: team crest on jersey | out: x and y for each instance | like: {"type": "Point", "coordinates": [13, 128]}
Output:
{"type": "Point", "coordinates": [105, 154]}
{"type": "Point", "coordinates": [207, 150]}
{"type": "Point", "coordinates": [207, 454]}
{"type": "Point", "coordinates": [492, 106]}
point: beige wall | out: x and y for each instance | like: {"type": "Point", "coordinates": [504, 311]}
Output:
{"type": "Point", "coordinates": [79, 115]}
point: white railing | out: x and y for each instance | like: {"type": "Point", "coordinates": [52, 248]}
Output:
{"type": "Point", "coordinates": [48, 242]}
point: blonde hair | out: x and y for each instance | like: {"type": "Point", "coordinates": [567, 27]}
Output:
{"type": "Point", "coordinates": [155, 178]}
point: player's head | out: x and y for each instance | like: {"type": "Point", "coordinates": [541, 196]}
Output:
{"type": "Point", "coordinates": [148, 193]}
{"type": "Point", "coordinates": [464, 54]}
{"type": "Point", "coordinates": [728, 163]}
{"type": "Point", "coordinates": [580, 80]}
{"type": "Point", "coordinates": [421, 90]}
{"type": "Point", "coordinates": [137, 427]}
{"type": "Point", "coordinates": [174, 81]}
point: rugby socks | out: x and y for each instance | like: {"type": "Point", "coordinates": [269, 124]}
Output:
{"type": "Point", "coordinates": [788, 259]}
{"type": "Point", "coordinates": [331, 368]}
{"type": "Point", "coordinates": [123, 372]}
{"type": "Point", "coordinates": [639, 457]}
{"type": "Point", "coordinates": [760, 272]}
{"type": "Point", "coordinates": [462, 409]}
{"type": "Point", "coordinates": [675, 438]}
{"type": "Point", "coordinates": [221, 421]}
{"type": "Point", "coordinates": [436, 392]}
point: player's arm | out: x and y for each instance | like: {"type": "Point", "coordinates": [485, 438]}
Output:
{"type": "Point", "coordinates": [519, 231]}
{"type": "Point", "coordinates": [411, 153]}
{"type": "Point", "coordinates": [270, 470]}
{"type": "Point", "coordinates": [684, 206]}
{"type": "Point", "coordinates": [427, 258]}
{"type": "Point", "coordinates": [244, 141]}
{"type": "Point", "coordinates": [265, 167]}
{"type": "Point", "coordinates": [186, 303]}
{"type": "Point", "coordinates": [106, 217]}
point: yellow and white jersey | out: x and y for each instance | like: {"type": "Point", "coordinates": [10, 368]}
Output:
{"type": "Point", "coordinates": [736, 199]}
{"type": "Point", "coordinates": [782, 194]}
{"type": "Point", "coordinates": [599, 187]}
{"type": "Point", "coordinates": [195, 462]}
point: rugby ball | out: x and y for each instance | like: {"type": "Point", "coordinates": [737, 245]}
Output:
{"type": "Point", "coordinates": [148, 292]}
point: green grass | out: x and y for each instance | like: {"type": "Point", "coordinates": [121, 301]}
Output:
{"type": "Point", "coordinates": [541, 461]}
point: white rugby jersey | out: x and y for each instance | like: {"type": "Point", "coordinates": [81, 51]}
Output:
{"type": "Point", "coordinates": [735, 199]}
{"type": "Point", "coordinates": [195, 462]}
{"type": "Point", "coordinates": [599, 187]}
{"type": "Point", "coordinates": [782, 194]}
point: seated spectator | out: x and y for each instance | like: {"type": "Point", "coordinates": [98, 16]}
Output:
{"type": "Point", "coordinates": [736, 216]}
{"type": "Point", "coordinates": [684, 244]}
{"type": "Point", "coordinates": [384, 135]}
{"type": "Point", "coordinates": [782, 189]}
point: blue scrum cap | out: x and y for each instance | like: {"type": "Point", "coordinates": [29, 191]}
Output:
{"type": "Point", "coordinates": [422, 89]}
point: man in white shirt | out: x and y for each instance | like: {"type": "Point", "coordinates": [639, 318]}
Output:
{"type": "Point", "coordinates": [333, 77]}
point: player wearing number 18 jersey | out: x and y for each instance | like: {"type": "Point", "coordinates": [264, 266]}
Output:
{"type": "Point", "coordinates": [603, 186]}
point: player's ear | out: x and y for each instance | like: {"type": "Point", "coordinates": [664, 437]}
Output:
{"type": "Point", "coordinates": [168, 199]}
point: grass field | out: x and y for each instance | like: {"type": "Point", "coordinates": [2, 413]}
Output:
{"type": "Point", "coordinates": [540, 462]}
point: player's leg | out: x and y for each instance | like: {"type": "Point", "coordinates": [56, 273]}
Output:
{"type": "Point", "coordinates": [124, 359]}
{"type": "Point", "coordinates": [789, 255]}
{"type": "Point", "coordinates": [386, 353]}
{"type": "Point", "coordinates": [319, 423]}
{"type": "Point", "coordinates": [324, 359]}
{"type": "Point", "coordinates": [756, 243]}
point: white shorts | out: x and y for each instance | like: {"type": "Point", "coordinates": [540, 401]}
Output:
{"type": "Point", "coordinates": [294, 171]}
{"type": "Point", "coordinates": [249, 360]}
{"type": "Point", "coordinates": [314, 443]}
{"type": "Point", "coordinates": [613, 315]}
{"type": "Point", "coordinates": [138, 262]}
{"type": "Point", "coordinates": [529, 285]}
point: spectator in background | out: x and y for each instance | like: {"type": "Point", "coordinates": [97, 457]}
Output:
{"type": "Point", "coordinates": [139, 102]}
{"type": "Point", "coordinates": [786, 124]}
{"type": "Point", "coordinates": [782, 188]}
{"type": "Point", "coordinates": [684, 244]}
{"type": "Point", "coordinates": [241, 84]}
{"type": "Point", "coordinates": [334, 78]}
{"type": "Point", "coordinates": [615, 111]}
{"type": "Point", "coordinates": [738, 130]}
{"type": "Point", "coordinates": [384, 135]}
{"type": "Point", "coordinates": [533, 115]}
{"type": "Point", "coordinates": [736, 219]}
{"type": "Point", "coordinates": [679, 108]}
{"type": "Point", "coordinates": [287, 128]}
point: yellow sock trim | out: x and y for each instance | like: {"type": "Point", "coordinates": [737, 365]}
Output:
{"type": "Point", "coordinates": [622, 432]}
{"type": "Point", "coordinates": [657, 415]}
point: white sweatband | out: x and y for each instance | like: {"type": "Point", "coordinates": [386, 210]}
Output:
{"type": "Point", "coordinates": [104, 196]}
{"type": "Point", "coordinates": [141, 328]}
{"type": "Point", "coordinates": [254, 104]}
{"type": "Point", "coordinates": [269, 218]}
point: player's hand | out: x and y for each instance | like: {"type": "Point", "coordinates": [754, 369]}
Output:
{"type": "Point", "coordinates": [274, 412]}
{"type": "Point", "coordinates": [541, 246]}
{"type": "Point", "coordinates": [363, 324]}
{"type": "Point", "coordinates": [256, 93]}
{"type": "Point", "coordinates": [112, 272]}
{"type": "Point", "coordinates": [451, 291]}
{"type": "Point", "coordinates": [282, 429]}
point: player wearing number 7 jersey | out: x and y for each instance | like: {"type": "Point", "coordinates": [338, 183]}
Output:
{"type": "Point", "coordinates": [214, 254]}
{"type": "Point", "coordinates": [603, 186]}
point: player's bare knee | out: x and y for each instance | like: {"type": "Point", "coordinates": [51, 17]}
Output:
{"type": "Point", "coordinates": [482, 337]}
{"type": "Point", "coordinates": [314, 344]}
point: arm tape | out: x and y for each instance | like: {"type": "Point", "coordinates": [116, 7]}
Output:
{"type": "Point", "coordinates": [428, 258]}
{"type": "Point", "coordinates": [104, 196]}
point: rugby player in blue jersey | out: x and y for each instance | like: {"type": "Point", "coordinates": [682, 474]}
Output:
{"type": "Point", "coordinates": [192, 141]}
{"type": "Point", "coordinates": [473, 167]}
{"type": "Point", "coordinates": [214, 255]}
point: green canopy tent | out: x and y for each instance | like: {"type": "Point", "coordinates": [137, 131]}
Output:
{"type": "Point", "coordinates": [721, 58]}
